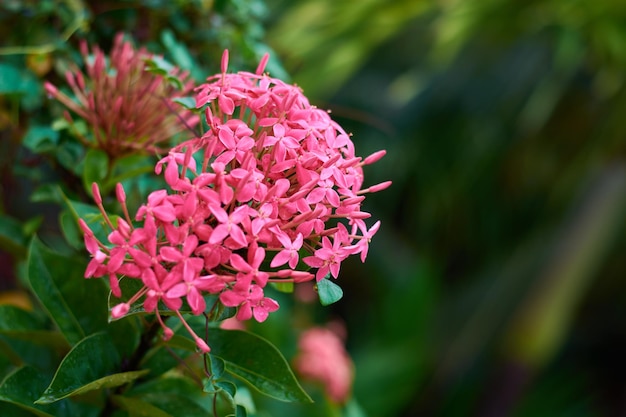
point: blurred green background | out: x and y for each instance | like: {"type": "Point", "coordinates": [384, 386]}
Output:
{"type": "Point", "coordinates": [496, 285]}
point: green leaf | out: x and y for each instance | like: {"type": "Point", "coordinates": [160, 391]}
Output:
{"type": "Point", "coordinates": [23, 386]}
{"type": "Point", "coordinates": [139, 408]}
{"type": "Point", "coordinates": [187, 102]}
{"type": "Point", "coordinates": [160, 66]}
{"type": "Point", "coordinates": [96, 168]}
{"type": "Point", "coordinates": [19, 324]}
{"type": "Point", "coordinates": [328, 291]}
{"type": "Point", "coordinates": [58, 283]}
{"type": "Point", "coordinates": [258, 362]}
{"type": "Point", "coordinates": [12, 238]}
{"type": "Point", "coordinates": [15, 318]}
{"type": "Point", "coordinates": [180, 54]}
{"type": "Point", "coordinates": [174, 404]}
{"type": "Point", "coordinates": [40, 139]}
{"type": "Point", "coordinates": [73, 377]}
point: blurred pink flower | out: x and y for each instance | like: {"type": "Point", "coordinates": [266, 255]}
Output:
{"type": "Point", "coordinates": [322, 358]}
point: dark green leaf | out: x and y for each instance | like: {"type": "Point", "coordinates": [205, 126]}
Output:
{"type": "Point", "coordinates": [12, 238]}
{"type": "Point", "coordinates": [228, 387]}
{"type": "Point", "coordinates": [174, 405]}
{"type": "Point", "coordinates": [241, 411]}
{"type": "Point", "coordinates": [258, 362]}
{"type": "Point", "coordinates": [19, 324]}
{"type": "Point", "coordinates": [96, 167]}
{"type": "Point", "coordinates": [41, 139]}
{"type": "Point", "coordinates": [217, 367]}
{"type": "Point", "coordinates": [23, 387]}
{"type": "Point", "coordinates": [177, 385]}
{"type": "Point", "coordinates": [14, 318]}
{"type": "Point", "coordinates": [139, 408]}
{"type": "Point", "coordinates": [58, 283]}
{"type": "Point", "coordinates": [73, 377]}
{"type": "Point", "coordinates": [329, 292]}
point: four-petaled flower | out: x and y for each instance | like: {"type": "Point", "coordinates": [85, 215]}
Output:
{"type": "Point", "coordinates": [269, 190]}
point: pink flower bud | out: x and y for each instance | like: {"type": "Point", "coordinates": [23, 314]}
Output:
{"type": "Point", "coordinates": [202, 345]}
{"type": "Point", "coordinates": [262, 64]}
{"type": "Point", "coordinates": [380, 187]}
{"type": "Point", "coordinates": [119, 192]}
{"type": "Point", "coordinates": [224, 61]}
{"type": "Point", "coordinates": [119, 310]}
{"type": "Point", "coordinates": [376, 156]}
{"type": "Point", "coordinates": [167, 333]}
{"type": "Point", "coordinates": [51, 90]}
{"type": "Point", "coordinates": [95, 190]}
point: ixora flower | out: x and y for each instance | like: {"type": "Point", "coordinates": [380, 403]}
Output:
{"type": "Point", "coordinates": [322, 357]}
{"type": "Point", "coordinates": [128, 109]}
{"type": "Point", "coordinates": [271, 193]}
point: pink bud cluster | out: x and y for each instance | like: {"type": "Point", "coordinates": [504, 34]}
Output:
{"type": "Point", "coordinates": [108, 95]}
{"type": "Point", "coordinates": [271, 190]}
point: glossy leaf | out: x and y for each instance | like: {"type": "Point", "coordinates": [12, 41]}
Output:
{"type": "Point", "coordinates": [22, 325]}
{"type": "Point", "coordinates": [73, 377]}
{"type": "Point", "coordinates": [329, 292]}
{"type": "Point", "coordinates": [177, 385]}
{"type": "Point", "coordinates": [257, 361]}
{"type": "Point", "coordinates": [58, 283]}
{"type": "Point", "coordinates": [23, 386]}
{"type": "Point", "coordinates": [14, 318]}
{"type": "Point", "coordinates": [96, 167]}
{"type": "Point", "coordinates": [41, 139]}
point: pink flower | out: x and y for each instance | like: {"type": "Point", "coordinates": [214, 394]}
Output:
{"type": "Point", "coordinates": [322, 358]}
{"type": "Point", "coordinates": [272, 174]}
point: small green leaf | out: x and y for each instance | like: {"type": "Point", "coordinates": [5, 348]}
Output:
{"type": "Point", "coordinates": [258, 362]}
{"type": "Point", "coordinates": [40, 139]}
{"type": "Point", "coordinates": [58, 283]}
{"type": "Point", "coordinates": [96, 167]}
{"type": "Point", "coordinates": [73, 377]}
{"type": "Point", "coordinates": [158, 65]}
{"type": "Point", "coordinates": [228, 387]}
{"type": "Point", "coordinates": [187, 102]}
{"type": "Point", "coordinates": [217, 367]}
{"type": "Point", "coordinates": [328, 291]}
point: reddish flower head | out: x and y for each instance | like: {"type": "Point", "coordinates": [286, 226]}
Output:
{"type": "Point", "coordinates": [270, 189]}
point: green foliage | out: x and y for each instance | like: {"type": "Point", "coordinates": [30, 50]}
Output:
{"type": "Point", "coordinates": [328, 291]}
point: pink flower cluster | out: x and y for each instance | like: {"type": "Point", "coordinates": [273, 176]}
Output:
{"type": "Point", "coordinates": [272, 189]}
{"type": "Point", "coordinates": [323, 358]}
